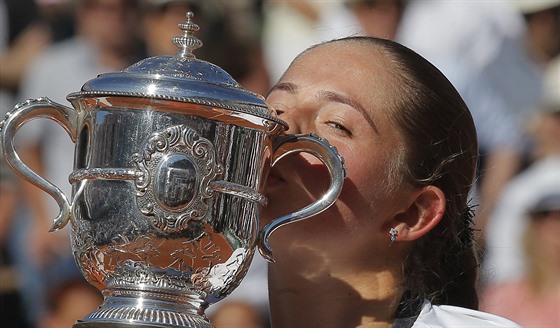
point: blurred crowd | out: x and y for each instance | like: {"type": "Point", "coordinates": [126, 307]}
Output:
{"type": "Point", "coordinates": [502, 56]}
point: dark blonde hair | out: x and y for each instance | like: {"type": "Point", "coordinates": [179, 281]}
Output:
{"type": "Point", "coordinates": [441, 150]}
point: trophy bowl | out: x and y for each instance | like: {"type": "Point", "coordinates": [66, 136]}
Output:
{"type": "Point", "coordinates": [171, 155]}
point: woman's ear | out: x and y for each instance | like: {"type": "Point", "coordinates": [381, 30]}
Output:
{"type": "Point", "coordinates": [422, 215]}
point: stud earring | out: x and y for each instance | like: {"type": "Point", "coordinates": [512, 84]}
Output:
{"type": "Point", "coordinates": [393, 233]}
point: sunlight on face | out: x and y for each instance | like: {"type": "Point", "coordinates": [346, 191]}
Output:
{"type": "Point", "coordinates": [347, 106]}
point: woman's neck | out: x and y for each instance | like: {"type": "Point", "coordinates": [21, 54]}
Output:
{"type": "Point", "coordinates": [326, 299]}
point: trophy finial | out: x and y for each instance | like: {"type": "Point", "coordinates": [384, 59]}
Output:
{"type": "Point", "coordinates": [187, 43]}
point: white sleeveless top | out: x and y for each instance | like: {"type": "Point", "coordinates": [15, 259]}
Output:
{"type": "Point", "coordinates": [446, 316]}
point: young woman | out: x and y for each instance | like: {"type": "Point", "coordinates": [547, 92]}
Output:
{"type": "Point", "coordinates": [396, 248]}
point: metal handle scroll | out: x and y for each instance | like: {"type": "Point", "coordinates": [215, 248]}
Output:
{"type": "Point", "coordinates": [22, 113]}
{"type": "Point", "coordinates": [287, 144]}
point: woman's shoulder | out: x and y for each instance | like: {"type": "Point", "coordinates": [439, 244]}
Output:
{"type": "Point", "coordinates": [446, 316]}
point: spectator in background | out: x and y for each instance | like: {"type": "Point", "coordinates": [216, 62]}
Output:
{"type": "Point", "coordinates": [542, 19]}
{"type": "Point", "coordinates": [105, 40]}
{"type": "Point", "coordinates": [479, 47]}
{"type": "Point", "coordinates": [11, 307]}
{"type": "Point", "coordinates": [290, 27]}
{"type": "Point", "coordinates": [238, 49]}
{"type": "Point", "coordinates": [517, 70]}
{"type": "Point", "coordinates": [238, 314]}
{"type": "Point", "coordinates": [533, 300]}
{"type": "Point", "coordinates": [379, 18]}
{"type": "Point", "coordinates": [506, 261]}
{"type": "Point", "coordinates": [22, 37]}
{"type": "Point", "coordinates": [58, 15]}
{"type": "Point", "coordinates": [69, 298]}
{"type": "Point", "coordinates": [159, 23]}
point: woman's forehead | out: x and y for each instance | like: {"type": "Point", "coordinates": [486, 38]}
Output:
{"type": "Point", "coordinates": [357, 69]}
{"type": "Point", "coordinates": [355, 75]}
{"type": "Point", "coordinates": [340, 47]}
{"type": "Point", "coordinates": [345, 57]}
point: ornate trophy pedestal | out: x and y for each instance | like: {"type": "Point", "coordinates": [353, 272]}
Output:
{"type": "Point", "coordinates": [148, 299]}
{"type": "Point", "coordinates": [129, 312]}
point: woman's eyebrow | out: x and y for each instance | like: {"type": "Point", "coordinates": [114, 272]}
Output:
{"type": "Point", "coordinates": [283, 86]}
{"type": "Point", "coordinates": [331, 96]}
{"type": "Point", "coordinates": [343, 99]}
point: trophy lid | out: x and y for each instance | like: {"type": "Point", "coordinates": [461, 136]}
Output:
{"type": "Point", "coordinates": [182, 78]}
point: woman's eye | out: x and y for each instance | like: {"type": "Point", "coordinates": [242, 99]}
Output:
{"type": "Point", "coordinates": [339, 127]}
{"type": "Point", "coordinates": [279, 109]}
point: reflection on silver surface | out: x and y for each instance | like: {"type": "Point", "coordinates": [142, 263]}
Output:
{"type": "Point", "coordinates": [170, 159]}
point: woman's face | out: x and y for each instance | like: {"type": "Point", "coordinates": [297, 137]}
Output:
{"type": "Point", "coordinates": [339, 92]}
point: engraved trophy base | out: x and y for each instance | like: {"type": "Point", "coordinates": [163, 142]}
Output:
{"type": "Point", "coordinates": [82, 324]}
{"type": "Point", "coordinates": [144, 295]}
{"type": "Point", "coordinates": [106, 324]}
{"type": "Point", "coordinates": [140, 296]}
{"type": "Point", "coordinates": [130, 312]}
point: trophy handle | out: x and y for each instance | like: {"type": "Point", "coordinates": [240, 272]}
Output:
{"type": "Point", "coordinates": [22, 113]}
{"type": "Point", "coordinates": [309, 143]}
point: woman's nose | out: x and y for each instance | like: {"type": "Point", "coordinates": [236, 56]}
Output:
{"type": "Point", "coordinates": [293, 125]}
{"type": "Point", "coordinates": [298, 121]}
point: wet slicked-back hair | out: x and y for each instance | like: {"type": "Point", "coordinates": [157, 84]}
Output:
{"type": "Point", "coordinates": [441, 150]}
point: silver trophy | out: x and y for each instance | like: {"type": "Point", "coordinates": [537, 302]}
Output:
{"type": "Point", "coordinates": [171, 156]}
